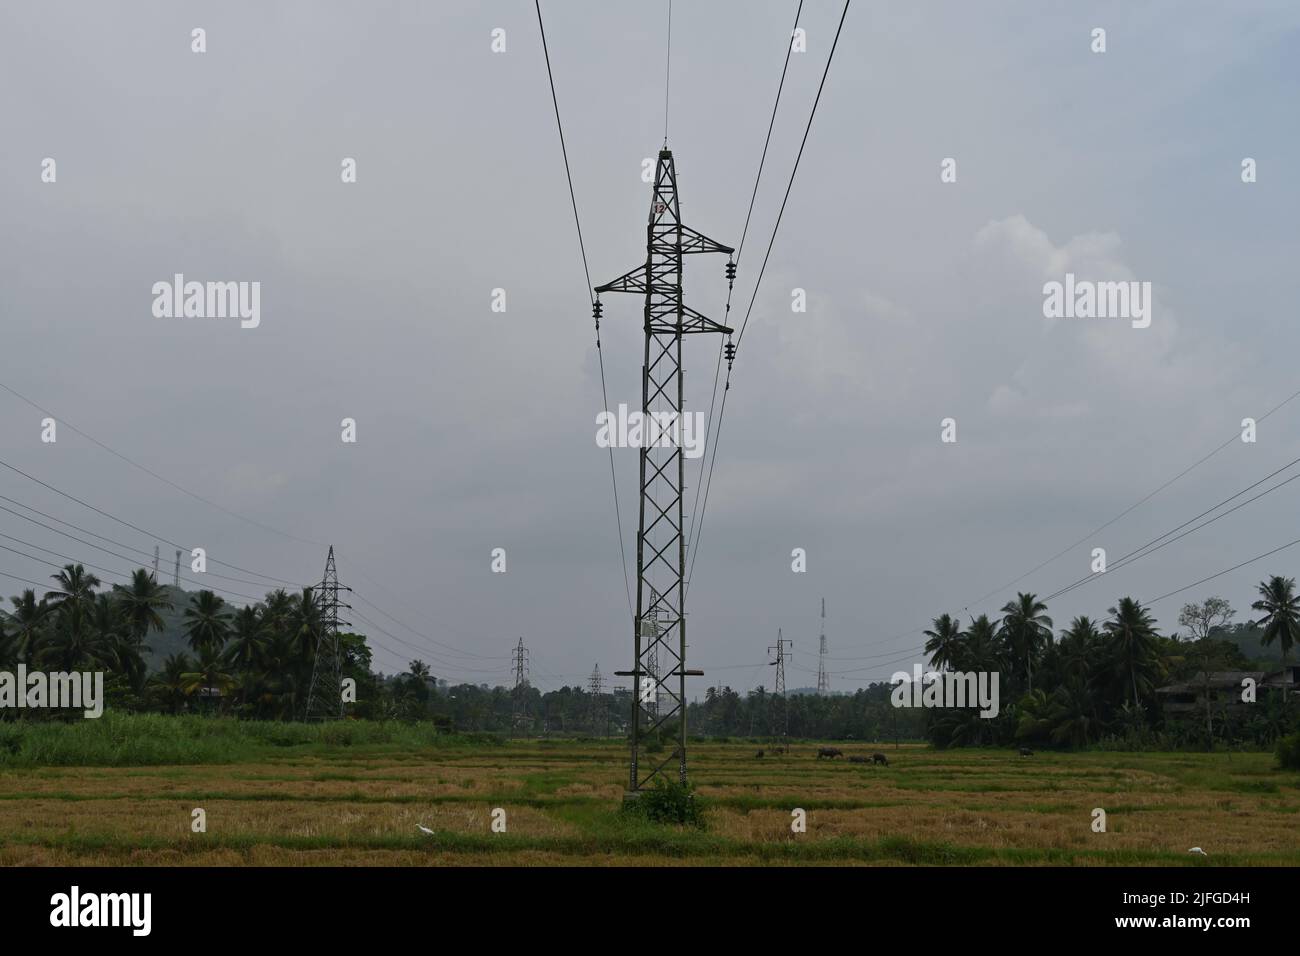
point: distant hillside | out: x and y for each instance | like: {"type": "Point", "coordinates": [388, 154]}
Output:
{"type": "Point", "coordinates": [171, 639]}
{"type": "Point", "coordinates": [1246, 637]}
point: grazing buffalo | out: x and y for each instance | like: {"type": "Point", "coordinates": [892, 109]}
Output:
{"type": "Point", "coordinates": [880, 758]}
{"type": "Point", "coordinates": [1026, 752]}
{"type": "Point", "coordinates": [759, 754]}
{"type": "Point", "coordinates": [829, 752]}
{"type": "Point", "coordinates": [858, 758]}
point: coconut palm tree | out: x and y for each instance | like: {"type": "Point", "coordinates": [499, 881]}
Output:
{"type": "Point", "coordinates": [141, 600]}
{"type": "Point", "coordinates": [1071, 714]}
{"type": "Point", "coordinates": [75, 585]}
{"type": "Point", "coordinates": [209, 675]}
{"type": "Point", "coordinates": [303, 622]}
{"type": "Point", "coordinates": [25, 623]}
{"type": "Point", "coordinates": [982, 649]}
{"type": "Point", "coordinates": [9, 647]}
{"type": "Point", "coordinates": [122, 650]}
{"type": "Point", "coordinates": [248, 640]}
{"type": "Point", "coordinates": [1281, 620]}
{"type": "Point", "coordinates": [207, 623]}
{"type": "Point", "coordinates": [1077, 648]}
{"type": "Point", "coordinates": [1026, 630]}
{"type": "Point", "coordinates": [169, 683]}
{"type": "Point", "coordinates": [1132, 645]}
{"type": "Point", "coordinates": [944, 641]}
{"type": "Point", "coordinates": [72, 641]}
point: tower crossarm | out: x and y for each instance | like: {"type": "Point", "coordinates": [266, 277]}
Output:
{"type": "Point", "coordinates": [631, 281]}
{"type": "Point", "coordinates": [691, 322]}
{"type": "Point", "coordinates": [693, 241]}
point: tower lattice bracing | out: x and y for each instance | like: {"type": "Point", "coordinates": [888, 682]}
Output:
{"type": "Point", "coordinates": [325, 695]}
{"type": "Point", "coordinates": [659, 630]}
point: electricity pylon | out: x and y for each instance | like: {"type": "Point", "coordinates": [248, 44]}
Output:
{"type": "Point", "coordinates": [823, 682]}
{"type": "Point", "coordinates": [660, 624]}
{"type": "Point", "coordinates": [596, 687]}
{"type": "Point", "coordinates": [779, 692]}
{"type": "Point", "coordinates": [325, 695]}
{"type": "Point", "coordinates": [519, 715]}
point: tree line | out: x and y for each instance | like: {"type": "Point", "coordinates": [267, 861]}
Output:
{"type": "Point", "coordinates": [1094, 682]}
{"type": "Point", "coordinates": [1097, 680]}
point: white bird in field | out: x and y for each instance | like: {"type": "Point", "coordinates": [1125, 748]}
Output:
{"type": "Point", "coordinates": [423, 829]}
{"type": "Point", "coordinates": [1197, 849]}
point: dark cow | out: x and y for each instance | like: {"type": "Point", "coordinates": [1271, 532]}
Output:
{"type": "Point", "coordinates": [829, 752]}
{"type": "Point", "coordinates": [880, 758]}
{"type": "Point", "coordinates": [759, 754]}
{"type": "Point", "coordinates": [858, 758]}
{"type": "Point", "coordinates": [1026, 752]}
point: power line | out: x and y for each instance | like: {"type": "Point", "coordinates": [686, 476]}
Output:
{"type": "Point", "coordinates": [1200, 461]}
{"type": "Point", "coordinates": [595, 306]}
{"type": "Point", "coordinates": [1134, 506]}
{"type": "Point", "coordinates": [432, 654]}
{"type": "Point", "coordinates": [1219, 574]}
{"type": "Point", "coordinates": [97, 567]}
{"type": "Point", "coordinates": [131, 561]}
{"type": "Point", "coordinates": [153, 474]}
{"type": "Point", "coordinates": [120, 544]}
{"type": "Point", "coordinates": [134, 527]}
{"type": "Point", "coordinates": [1143, 551]}
{"type": "Point", "coordinates": [448, 647]}
{"type": "Point", "coordinates": [731, 270]}
{"type": "Point", "coordinates": [798, 156]}
{"type": "Point", "coordinates": [741, 335]}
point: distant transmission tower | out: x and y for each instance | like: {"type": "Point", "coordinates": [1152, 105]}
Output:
{"type": "Point", "coordinates": [779, 692]}
{"type": "Point", "coordinates": [519, 716]}
{"type": "Point", "coordinates": [325, 695]}
{"type": "Point", "coordinates": [596, 688]}
{"type": "Point", "coordinates": [176, 578]}
{"type": "Point", "coordinates": [155, 564]}
{"type": "Point", "coordinates": [823, 682]}
{"type": "Point", "coordinates": [660, 541]}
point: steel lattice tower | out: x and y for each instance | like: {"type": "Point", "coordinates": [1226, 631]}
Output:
{"type": "Point", "coordinates": [325, 695]}
{"type": "Point", "coordinates": [778, 692]}
{"type": "Point", "coordinates": [823, 682]}
{"type": "Point", "coordinates": [661, 543]}
{"type": "Point", "coordinates": [519, 716]}
{"type": "Point", "coordinates": [596, 687]}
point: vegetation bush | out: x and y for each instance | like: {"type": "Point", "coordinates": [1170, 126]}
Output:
{"type": "Point", "coordinates": [1288, 752]}
{"type": "Point", "coordinates": [117, 740]}
{"type": "Point", "coordinates": [671, 802]}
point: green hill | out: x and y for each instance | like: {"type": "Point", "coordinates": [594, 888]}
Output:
{"type": "Point", "coordinates": [171, 639]}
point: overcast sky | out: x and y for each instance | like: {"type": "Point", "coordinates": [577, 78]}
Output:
{"type": "Point", "coordinates": [476, 429]}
